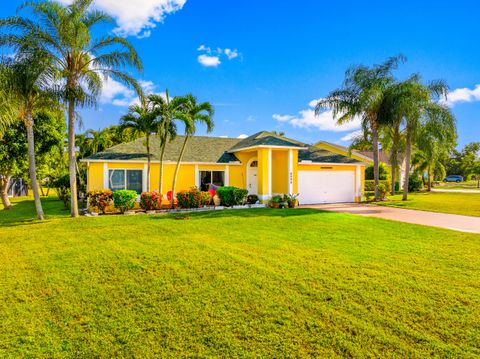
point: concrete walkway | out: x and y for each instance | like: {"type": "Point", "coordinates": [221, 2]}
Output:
{"type": "Point", "coordinates": [442, 220]}
{"type": "Point", "coordinates": [456, 190]}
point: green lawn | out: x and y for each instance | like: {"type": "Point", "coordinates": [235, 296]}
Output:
{"type": "Point", "coordinates": [238, 283]}
{"type": "Point", "coordinates": [471, 185]}
{"type": "Point", "coordinates": [467, 204]}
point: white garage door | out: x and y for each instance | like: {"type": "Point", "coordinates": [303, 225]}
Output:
{"type": "Point", "coordinates": [326, 186]}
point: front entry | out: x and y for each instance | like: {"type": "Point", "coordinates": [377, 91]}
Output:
{"type": "Point", "coordinates": [252, 177]}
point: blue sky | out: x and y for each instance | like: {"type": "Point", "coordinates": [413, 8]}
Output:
{"type": "Point", "coordinates": [263, 62]}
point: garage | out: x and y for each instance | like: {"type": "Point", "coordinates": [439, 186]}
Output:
{"type": "Point", "coordinates": [316, 187]}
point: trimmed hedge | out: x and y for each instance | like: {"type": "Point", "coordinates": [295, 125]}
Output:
{"type": "Point", "coordinates": [231, 196]}
{"type": "Point", "coordinates": [191, 198]}
{"type": "Point", "coordinates": [124, 199]}
{"type": "Point", "coordinates": [383, 188]}
{"type": "Point", "coordinates": [415, 184]}
{"type": "Point", "coordinates": [150, 201]}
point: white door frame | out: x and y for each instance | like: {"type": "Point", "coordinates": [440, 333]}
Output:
{"type": "Point", "coordinates": [248, 174]}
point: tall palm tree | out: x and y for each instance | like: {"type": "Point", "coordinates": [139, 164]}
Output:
{"type": "Point", "coordinates": [65, 33]}
{"type": "Point", "coordinates": [141, 120]}
{"type": "Point", "coordinates": [361, 97]}
{"type": "Point", "coordinates": [166, 110]}
{"type": "Point", "coordinates": [192, 113]}
{"type": "Point", "coordinates": [28, 79]}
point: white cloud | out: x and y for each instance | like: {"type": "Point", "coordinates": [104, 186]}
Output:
{"type": "Point", "coordinates": [351, 136]}
{"type": "Point", "coordinates": [231, 54]}
{"type": "Point", "coordinates": [323, 122]}
{"type": "Point", "coordinates": [211, 58]}
{"type": "Point", "coordinates": [117, 94]}
{"type": "Point", "coordinates": [209, 61]}
{"type": "Point", "coordinates": [461, 95]}
{"type": "Point", "coordinates": [137, 17]}
{"type": "Point", "coordinates": [251, 119]}
{"type": "Point", "coordinates": [242, 136]}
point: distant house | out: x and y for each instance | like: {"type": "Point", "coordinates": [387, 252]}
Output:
{"type": "Point", "coordinates": [17, 188]}
{"type": "Point", "coordinates": [264, 163]}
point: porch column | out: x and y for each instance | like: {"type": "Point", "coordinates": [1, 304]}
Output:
{"type": "Point", "coordinates": [290, 171]}
{"type": "Point", "coordinates": [269, 173]}
{"type": "Point", "coordinates": [264, 156]}
{"type": "Point", "coordinates": [358, 185]}
{"type": "Point", "coordinates": [105, 175]}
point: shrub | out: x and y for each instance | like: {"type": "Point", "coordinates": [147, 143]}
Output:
{"type": "Point", "coordinates": [124, 199]}
{"type": "Point", "coordinates": [252, 199]}
{"type": "Point", "coordinates": [206, 198]}
{"type": "Point", "coordinates": [231, 196]}
{"type": "Point", "coordinates": [150, 201]}
{"type": "Point", "coordinates": [275, 201]}
{"type": "Point", "coordinates": [100, 199]}
{"type": "Point", "coordinates": [62, 187]}
{"type": "Point", "coordinates": [382, 171]}
{"type": "Point", "coordinates": [383, 187]}
{"type": "Point", "coordinates": [415, 184]}
{"type": "Point", "coordinates": [191, 198]}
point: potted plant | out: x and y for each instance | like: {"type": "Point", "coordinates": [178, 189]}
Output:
{"type": "Point", "coordinates": [291, 200]}
{"type": "Point", "coordinates": [275, 201]}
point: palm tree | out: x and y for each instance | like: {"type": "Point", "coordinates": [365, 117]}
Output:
{"type": "Point", "coordinates": [141, 120]}
{"type": "Point", "coordinates": [361, 96]}
{"type": "Point", "coordinates": [192, 113]}
{"type": "Point", "coordinates": [166, 111]}
{"type": "Point", "coordinates": [65, 33]}
{"type": "Point", "coordinates": [28, 79]}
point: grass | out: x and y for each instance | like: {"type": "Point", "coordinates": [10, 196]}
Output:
{"type": "Point", "coordinates": [470, 185]}
{"type": "Point", "coordinates": [238, 283]}
{"type": "Point", "coordinates": [456, 203]}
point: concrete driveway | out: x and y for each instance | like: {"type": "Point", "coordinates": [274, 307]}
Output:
{"type": "Point", "coordinates": [442, 220]}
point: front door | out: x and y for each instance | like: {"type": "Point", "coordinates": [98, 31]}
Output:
{"type": "Point", "coordinates": [252, 179]}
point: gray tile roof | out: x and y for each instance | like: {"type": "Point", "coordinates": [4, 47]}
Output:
{"type": "Point", "coordinates": [265, 138]}
{"type": "Point", "coordinates": [319, 155]}
{"type": "Point", "coordinates": [199, 149]}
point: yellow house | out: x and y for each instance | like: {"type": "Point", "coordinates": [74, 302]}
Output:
{"type": "Point", "coordinates": [264, 163]}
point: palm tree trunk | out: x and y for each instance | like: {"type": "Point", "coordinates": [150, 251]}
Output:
{"type": "Point", "coordinates": [394, 157]}
{"type": "Point", "coordinates": [31, 163]}
{"type": "Point", "coordinates": [162, 152]}
{"type": "Point", "coordinates": [4, 181]}
{"type": "Point", "coordinates": [375, 157]}
{"type": "Point", "coordinates": [72, 162]}
{"type": "Point", "coordinates": [429, 180]}
{"type": "Point", "coordinates": [148, 162]}
{"type": "Point", "coordinates": [408, 159]}
{"type": "Point", "coordinates": [177, 167]}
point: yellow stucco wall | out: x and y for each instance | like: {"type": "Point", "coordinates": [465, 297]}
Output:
{"type": "Point", "coordinates": [95, 176]}
{"type": "Point", "coordinates": [280, 171]}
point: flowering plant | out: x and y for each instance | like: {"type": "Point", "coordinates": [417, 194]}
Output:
{"type": "Point", "coordinates": [191, 198]}
{"type": "Point", "coordinates": [150, 201]}
{"type": "Point", "coordinates": [206, 198]}
{"type": "Point", "coordinates": [100, 199]}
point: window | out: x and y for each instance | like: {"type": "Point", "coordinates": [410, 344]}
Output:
{"type": "Point", "coordinates": [216, 178]}
{"type": "Point", "coordinates": [125, 179]}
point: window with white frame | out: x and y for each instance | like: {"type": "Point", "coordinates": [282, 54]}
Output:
{"type": "Point", "coordinates": [125, 179]}
{"type": "Point", "coordinates": [216, 178]}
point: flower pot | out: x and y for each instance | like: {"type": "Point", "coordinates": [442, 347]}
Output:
{"type": "Point", "coordinates": [216, 201]}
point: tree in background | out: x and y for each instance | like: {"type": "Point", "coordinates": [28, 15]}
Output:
{"type": "Point", "coordinates": [361, 96]}
{"type": "Point", "coordinates": [49, 132]}
{"type": "Point", "coordinates": [65, 33]}
{"type": "Point", "coordinates": [142, 121]}
{"type": "Point", "coordinates": [192, 113]}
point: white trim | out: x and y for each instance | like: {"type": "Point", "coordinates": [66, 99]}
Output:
{"type": "Point", "coordinates": [358, 182]}
{"type": "Point", "coordinates": [236, 163]}
{"type": "Point", "coordinates": [227, 176]}
{"type": "Point", "coordinates": [266, 146]}
{"type": "Point", "coordinates": [197, 177]}
{"type": "Point", "coordinates": [331, 164]}
{"type": "Point", "coordinates": [290, 171]}
{"type": "Point", "coordinates": [270, 172]}
{"type": "Point", "coordinates": [145, 180]}
{"type": "Point", "coordinates": [105, 175]}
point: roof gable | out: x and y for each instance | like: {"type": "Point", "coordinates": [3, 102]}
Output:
{"type": "Point", "coordinates": [265, 138]}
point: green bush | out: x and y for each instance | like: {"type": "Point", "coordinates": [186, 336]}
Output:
{"type": "Point", "coordinates": [100, 199]}
{"type": "Point", "coordinates": [124, 199]}
{"type": "Point", "coordinates": [252, 199]}
{"type": "Point", "coordinates": [383, 188]}
{"type": "Point", "coordinates": [191, 198]}
{"type": "Point", "coordinates": [382, 171]}
{"type": "Point", "coordinates": [62, 187]}
{"type": "Point", "coordinates": [231, 196]}
{"type": "Point", "coordinates": [415, 184]}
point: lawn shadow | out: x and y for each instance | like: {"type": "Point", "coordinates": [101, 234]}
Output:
{"type": "Point", "coordinates": [242, 213]}
{"type": "Point", "coordinates": [23, 211]}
